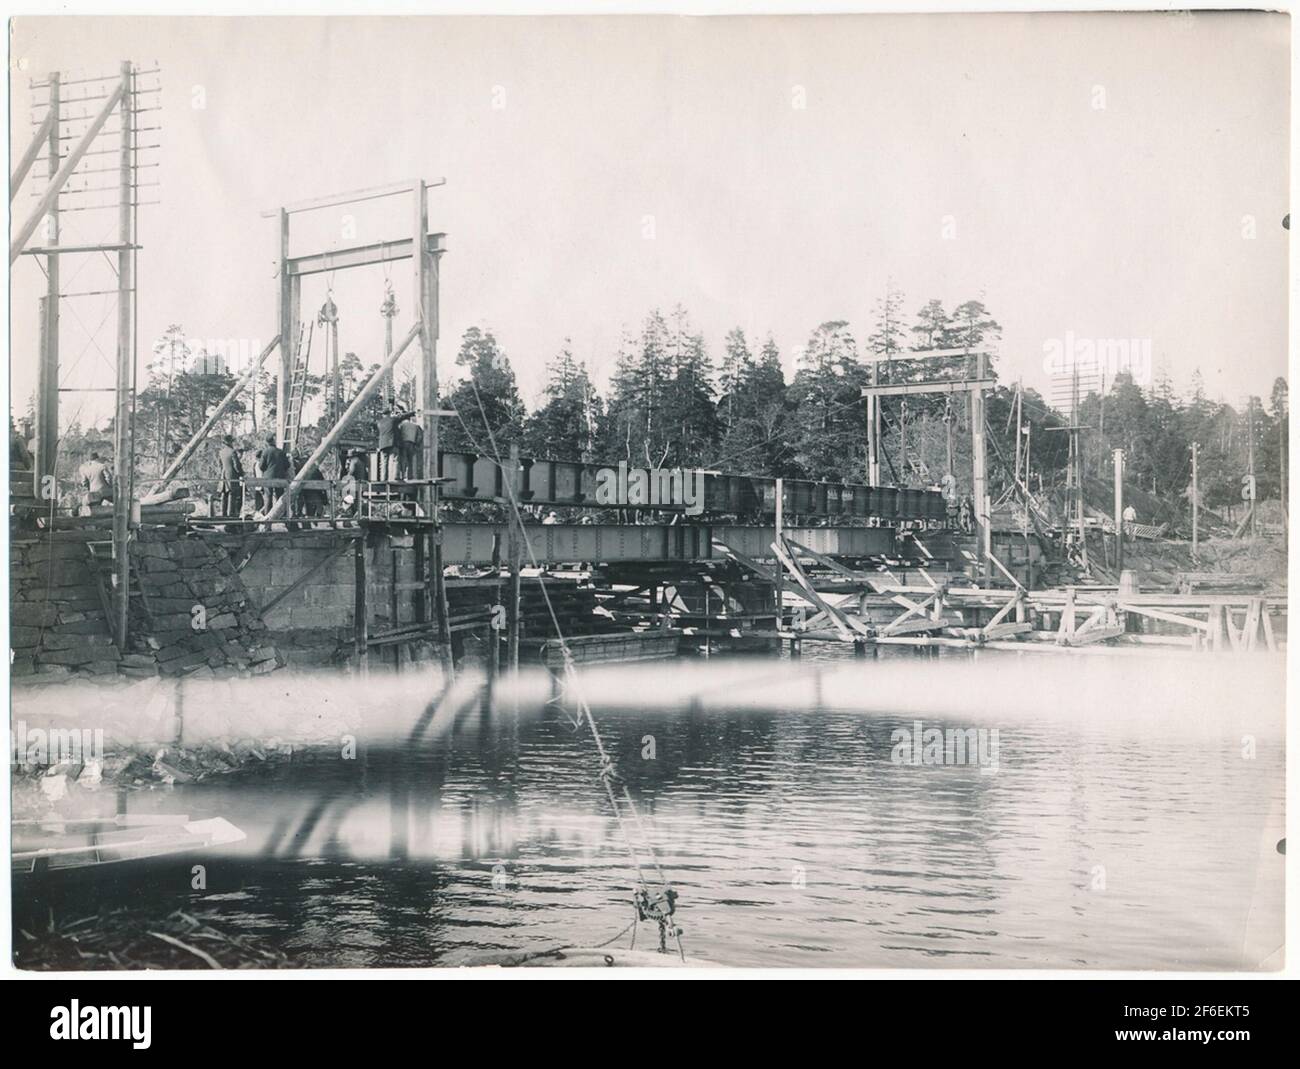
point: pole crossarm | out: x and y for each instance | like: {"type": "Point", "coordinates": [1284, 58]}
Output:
{"type": "Point", "coordinates": [355, 196]}
{"type": "Point", "coordinates": [903, 355]}
{"type": "Point", "coordinates": [940, 386]}
{"type": "Point", "coordinates": [57, 183]}
{"type": "Point", "coordinates": [327, 443]}
{"type": "Point", "coordinates": [380, 252]}
{"type": "Point", "coordinates": [29, 157]}
{"type": "Point", "coordinates": [206, 429]}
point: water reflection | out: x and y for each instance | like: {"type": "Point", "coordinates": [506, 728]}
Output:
{"type": "Point", "coordinates": [1141, 840]}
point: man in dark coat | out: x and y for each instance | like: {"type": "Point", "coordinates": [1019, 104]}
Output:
{"type": "Point", "coordinates": [388, 441]}
{"type": "Point", "coordinates": [232, 478]}
{"type": "Point", "coordinates": [410, 436]}
{"type": "Point", "coordinates": [273, 463]}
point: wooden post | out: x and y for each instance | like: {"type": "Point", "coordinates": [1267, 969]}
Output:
{"type": "Point", "coordinates": [360, 609]}
{"type": "Point", "coordinates": [948, 419]}
{"type": "Point", "coordinates": [1119, 512]}
{"type": "Point", "coordinates": [426, 390]}
{"type": "Point", "coordinates": [979, 465]}
{"type": "Point", "coordinates": [420, 574]}
{"type": "Point", "coordinates": [873, 431]}
{"type": "Point", "coordinates": [123, 430]}
{"type": "Point", "coordinates": [336, 373]}
{"type": "Point", "coordinates": [393, 608]}
{"type": "Point", "coordinates": [1196, 501]}
{"type": "Point", "coordinates": [513, 616]}
{"type": "Point", "coordinates": [780, 535]}
{"type": "Point", "coordinates": [288, 333]}
{"type": "Point", "coordinates": [902, 439]}
{"type": "Point", "coordinates": [47, 390]}
{"type": "Point", "coordinates": [494, 635]}
{"type": "Point", "coordinates": [515, 552]}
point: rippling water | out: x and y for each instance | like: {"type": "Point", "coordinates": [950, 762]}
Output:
{"type": "Point", "coordinates": [1123, 832]}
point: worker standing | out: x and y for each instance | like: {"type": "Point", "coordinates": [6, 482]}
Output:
{"type": "Point", "coordinates": [353, 476]}
{"type": "Point", "coordinates": [966, 515]}
{"type": "Point", "coordinates": [387, 428]}
{"type": "Point", "coordinates": [273, 463]}
{"type": "Point", "coordinates": [96, 480]}
{"type": "Point", "coordinates": [409, 437]}
{"type": "Point", "coordinates": [232, 478]}
{"type": "Point", "coordinates": [313, 500]}
{"type": "Point", "coordinates": [1130, 521]}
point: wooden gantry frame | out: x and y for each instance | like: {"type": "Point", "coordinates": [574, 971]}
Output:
{"type": "Point", "coordinates": [425, 251]}
{"type": "Point", "coordinates": [974, 386]}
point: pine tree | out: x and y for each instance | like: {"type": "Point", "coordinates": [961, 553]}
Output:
{"type": "Point", "coordinates": [887, 340]}
{"type": "Point", "coordinates": [487, 397]}
{"type": "Point", "coordinates": [932, 328]}
{"type": "Point", "coordinates": [689, 418]}
{"type": "Point", "coordinates": [827, 392]}
{"type": "Point", "coordinates": [564, 427]}
{"type": "Point", "coordinates": [737, 362]}
{"type": "Point", "coordinates": [756, 442]}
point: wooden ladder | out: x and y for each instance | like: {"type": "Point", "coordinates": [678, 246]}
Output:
{"type": "Point", "coordinates": [102, 569]}
{"type": "Point", "coordinates": [297, 390]}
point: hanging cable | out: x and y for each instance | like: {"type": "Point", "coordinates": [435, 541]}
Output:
{"type": "Point", "coordinates": [657, 905]}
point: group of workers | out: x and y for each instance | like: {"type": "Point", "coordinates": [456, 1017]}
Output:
{"type": "Point", "coordinates": [399, 439]}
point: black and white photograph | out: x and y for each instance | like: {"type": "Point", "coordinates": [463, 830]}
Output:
{"type": "Point", "coordinates": [705, 495]}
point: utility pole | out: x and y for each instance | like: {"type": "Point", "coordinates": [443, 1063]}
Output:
{"type": "Point", "coordinates": [123, 431]}
{"type": "Point", "coordinates": [1119, 512]}
{"type": "Point", "coordinates": [47, 394]}
{"type": "Point", "coordinates": [873, 429]}
{"type": "Point", "coordinates": [1196, 499]}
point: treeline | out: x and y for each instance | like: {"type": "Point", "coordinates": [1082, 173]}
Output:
{"type": "Point", "coordinates": [673, 401]}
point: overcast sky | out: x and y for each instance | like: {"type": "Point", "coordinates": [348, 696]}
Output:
{"type": "Point", "coordinates": [1086, 175]}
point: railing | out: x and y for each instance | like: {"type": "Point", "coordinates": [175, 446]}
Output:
{"type": "Point", "coordinates": [316, 501]}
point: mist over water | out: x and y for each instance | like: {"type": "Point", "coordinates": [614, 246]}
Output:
{"type": "Point", "coordinates": [1122, 825]}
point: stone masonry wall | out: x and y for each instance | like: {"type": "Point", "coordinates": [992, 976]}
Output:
{"type": "Point", "coordinates": [201, 621]}
{"type": "Point", "coordinates": [196, 617]}
{"type": "Point", "coordinates": [57, 627]}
